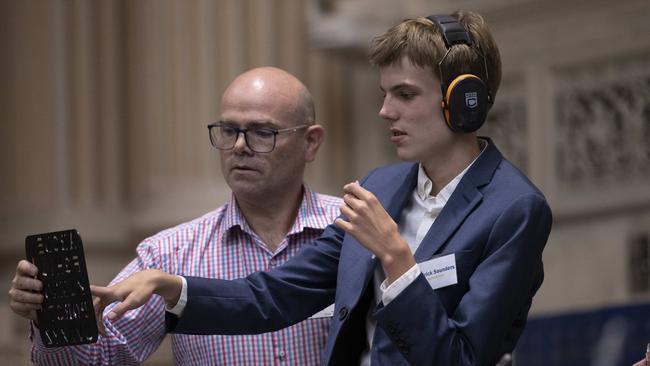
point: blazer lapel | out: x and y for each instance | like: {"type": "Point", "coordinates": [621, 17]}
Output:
{"type": "Point", "coordinates": [461, 203]}
{"type": "Point", "coordinates": [401, 190]}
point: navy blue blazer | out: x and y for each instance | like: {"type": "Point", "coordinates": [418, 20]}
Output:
{"type": "Point", "coordinates": [496, 222]}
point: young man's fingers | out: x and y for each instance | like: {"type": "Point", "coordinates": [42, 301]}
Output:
{"type": "Point", "coordinates": [98, 307]}
{"type": "Point", "coordinates": [106, 294]}
{"type": "Point", "coordinates": [130, 302]}
{"type": "Point", "coordinates": [359, 192]}
{"type": "Point", "coordinates": [346, 226]}
{"type": "Point", "coordinates": [348, 213]}
{"type": "Point", "coordinates": [352, 202]}
{"type": "Point", "coordinates": [100, 327]}
{"type": "Point", "coordinates": [100, 323]}
{"type": "Point", "coordinates": [351, 188]}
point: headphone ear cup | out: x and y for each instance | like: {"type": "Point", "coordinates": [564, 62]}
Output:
{"type": "Point", "coordinates": [467, 103]}
{"type": "Point", "coordinates": [445, 113]}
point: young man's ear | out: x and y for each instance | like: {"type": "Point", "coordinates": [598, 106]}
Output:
{"type": "Point", "coordinates": [314, 138]}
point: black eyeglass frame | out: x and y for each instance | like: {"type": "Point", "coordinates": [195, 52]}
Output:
{"type": "Point", "coordinates": [244, 131]}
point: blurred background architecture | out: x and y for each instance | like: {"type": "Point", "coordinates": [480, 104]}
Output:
{"type": "Point", "coordinates": [104, 106]}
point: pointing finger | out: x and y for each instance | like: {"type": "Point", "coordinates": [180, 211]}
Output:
{"type": "Point", "coordinates": [107, 294]}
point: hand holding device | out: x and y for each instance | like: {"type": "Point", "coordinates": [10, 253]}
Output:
{"type": "Point", "coordinates": [65, 316]}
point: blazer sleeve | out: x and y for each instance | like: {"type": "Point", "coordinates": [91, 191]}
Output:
{"type": "Point", "coordinates": [500, 294]}
{"type": "Point", "coordinates": [263, 301]}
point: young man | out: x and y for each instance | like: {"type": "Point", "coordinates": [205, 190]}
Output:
{"type": "Point", "coordinates": [434, 261]}
{"type": "Point", "coordinates": [266, 136]}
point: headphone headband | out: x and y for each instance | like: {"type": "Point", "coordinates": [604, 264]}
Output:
{"type": "Point", "coordinates": [452, 31]}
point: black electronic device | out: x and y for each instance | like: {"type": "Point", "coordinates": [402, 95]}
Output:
{"type": "Point", "coordinates": [466, 100]}
{"type": "Point", "coordinates": [67, 316]}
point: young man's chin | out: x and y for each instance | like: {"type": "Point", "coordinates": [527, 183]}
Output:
{"type": "Point", "coordinates": [406, 156]}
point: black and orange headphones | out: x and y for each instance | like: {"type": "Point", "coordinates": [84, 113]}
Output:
{"type": "Point", "coordinates": [466, 100]}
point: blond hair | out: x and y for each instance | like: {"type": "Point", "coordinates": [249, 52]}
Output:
{"type": "Point", "coordinates": [422, 42]}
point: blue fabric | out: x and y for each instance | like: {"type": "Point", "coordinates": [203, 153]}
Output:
{"type": "Point", "coordinates": [620, 333]}
{"type": "Point", "coordinates": [496, 222]}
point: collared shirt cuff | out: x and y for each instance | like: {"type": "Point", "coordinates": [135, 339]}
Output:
{"type": "Point", "coordinates": [389, 293]}
{"type": "Point", "coordinates": [182, 300]}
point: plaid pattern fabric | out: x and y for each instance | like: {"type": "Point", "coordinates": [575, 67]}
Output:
{"type": "Point", "coordinates": [219, 244]}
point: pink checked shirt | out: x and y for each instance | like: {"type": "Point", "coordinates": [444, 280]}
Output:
{"type": "Point", "coordinates": [219, 244]}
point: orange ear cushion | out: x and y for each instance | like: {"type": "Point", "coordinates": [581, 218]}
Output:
{"type": "Point", "coordinates": [445, 112]}
{"type": "Point", "coordinates": [445, 103]}
{"type": "Point", "coordinates": [447, 118]}
{"type": "Point", "coordinates": [458, 79]}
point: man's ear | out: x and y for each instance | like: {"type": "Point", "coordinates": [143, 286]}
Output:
{"type": "Point", "coordinates": [313, 138]}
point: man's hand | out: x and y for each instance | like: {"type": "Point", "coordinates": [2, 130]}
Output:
{"type": "Point", "coordinates": [134, 291]}
{"type": "Point", "coordinates": [25, 295]}
{"type": "Point", "coordinates": [373, 227]}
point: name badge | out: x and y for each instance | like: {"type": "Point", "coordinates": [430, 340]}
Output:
{"type": "Point", "coordinates": [440, 272]}
{"type": "Point", "coordinates": [328, 312]}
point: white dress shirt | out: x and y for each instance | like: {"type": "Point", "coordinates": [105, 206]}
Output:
{"type": "Point", "coordinates": [415, 221]}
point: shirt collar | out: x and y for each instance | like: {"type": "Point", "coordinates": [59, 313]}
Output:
{"type": "Point", "coordinates": [425, 185]}
{"type": "Point", "coordinates": [311, 215]}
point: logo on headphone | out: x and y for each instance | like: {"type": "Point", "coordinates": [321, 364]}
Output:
{"type": "Point", "coordinates": [471, 100]}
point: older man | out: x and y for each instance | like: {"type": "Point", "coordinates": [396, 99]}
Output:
{"type": "Point", "coordinates": [266, 136]}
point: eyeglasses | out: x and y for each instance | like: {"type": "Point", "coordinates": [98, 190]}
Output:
{"type": "Point", "coordinates": [258, 139]}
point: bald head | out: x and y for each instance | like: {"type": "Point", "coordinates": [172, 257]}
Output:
{"type": "Point", "coordinates": [268, 98]}
{"type": "Point", "coordinates": [271, 89]}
